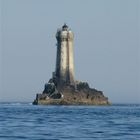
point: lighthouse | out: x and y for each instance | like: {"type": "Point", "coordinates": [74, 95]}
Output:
{"type": "Point", "coordinates": [62, 88]}
{"type": "Point", "coordinates": [64, 71]}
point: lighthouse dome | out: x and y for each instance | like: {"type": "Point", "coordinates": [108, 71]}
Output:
{"type": "Point", "coordinates": [65, 27]}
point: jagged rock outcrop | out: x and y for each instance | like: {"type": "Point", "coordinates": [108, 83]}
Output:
{"type": "Point", "coordinates": [78, 94]}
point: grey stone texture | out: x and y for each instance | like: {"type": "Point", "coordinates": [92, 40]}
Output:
{"type": "Point", "coordinates": [62, 88]}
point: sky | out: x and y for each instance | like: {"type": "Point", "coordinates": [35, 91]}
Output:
{"type": "Point", "coordinates": [106, 46]}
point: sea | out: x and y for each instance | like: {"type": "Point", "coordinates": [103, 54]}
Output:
{"type": "Point", "coordinates": [24, 121]}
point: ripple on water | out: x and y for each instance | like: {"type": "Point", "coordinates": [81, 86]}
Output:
{"type": "Point", "coordinates": [25, 121]}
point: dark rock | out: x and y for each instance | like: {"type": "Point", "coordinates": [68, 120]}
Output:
{"type": "Point", "coordinates": [78, 94]}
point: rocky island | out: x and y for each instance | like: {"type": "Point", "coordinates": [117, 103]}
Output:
{"type": "Point", "coordinates": [62, 88]}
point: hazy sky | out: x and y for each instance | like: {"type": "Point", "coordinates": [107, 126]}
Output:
{"type": "Point", "coordinates": [106, 45]}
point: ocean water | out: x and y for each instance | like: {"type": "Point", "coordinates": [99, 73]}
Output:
{"type": "Point", "coordinates": [24, 121]}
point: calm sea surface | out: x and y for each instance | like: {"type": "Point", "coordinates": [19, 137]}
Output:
{"type": "Point", "coordinates": [23, 121]}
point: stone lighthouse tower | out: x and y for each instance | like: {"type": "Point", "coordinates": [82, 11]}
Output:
{"type": "Point", "coordinates": [62, 88]}
{"type": "Point", "coordinates": [64, 71]}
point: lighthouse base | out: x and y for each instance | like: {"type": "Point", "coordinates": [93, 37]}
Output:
{"type": "Point", "coordinates": [78, 94]}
